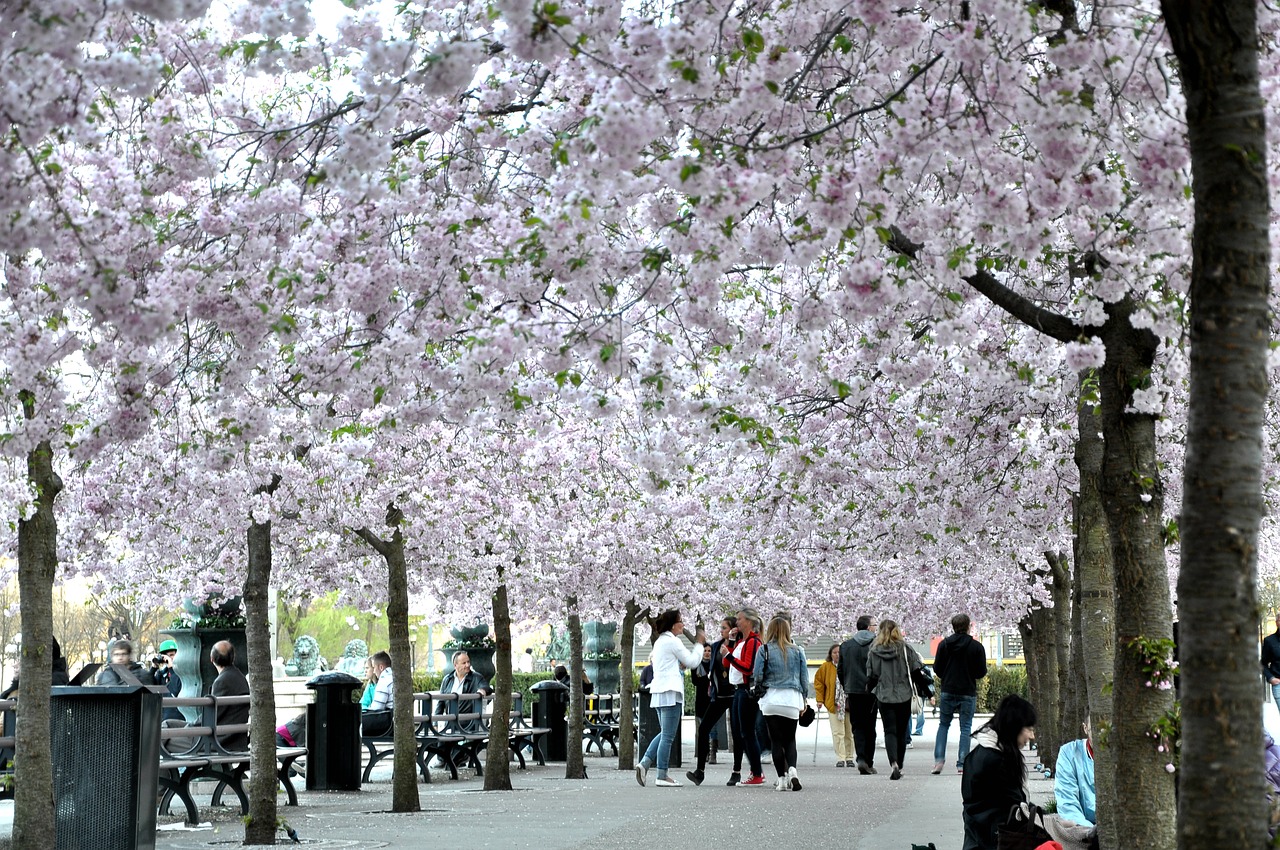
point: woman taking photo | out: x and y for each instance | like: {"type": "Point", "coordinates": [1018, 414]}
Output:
{"type": "Point", "coordinates": [828, 691]}
{"type": "Point", "coordinates": [995, 773]}
{"type": "Point", "coordinates": [782, 667]}
{"type": "Point", "coordinates": [740, 659]}
{"type": "Point", "coordinates": [889, 666]}
{"type": "Point", "coordinates": [669, 660]}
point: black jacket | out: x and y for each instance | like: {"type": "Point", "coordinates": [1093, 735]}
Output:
{"type": "Point", "coordinates": [989, 793]}
{"type": "Point", "coordinates": [719, 687]}
{"type": "Point", "coordinates": [852, 669]}
{"type": "Point", "coordinates": [960, 662]}
{"type": "Point", "coordinates": [232, 683]}
{"type": "Point", "coordinates": [474, 683]}
{"type": "Point", "coordinates": [1271, 656]}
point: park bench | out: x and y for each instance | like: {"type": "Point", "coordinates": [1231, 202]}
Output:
{"type": "Point", "coordinates": [523, 733]}
{"type": "Point", "coordinates": [188, 753]}
{"type": "Point", "coordinates": [431, 719]}
{"type": "Point", "coordinates": [601, 721]}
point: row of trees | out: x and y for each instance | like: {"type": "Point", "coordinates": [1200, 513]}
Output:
{"type": "Point", "coordinates": [560, 309]}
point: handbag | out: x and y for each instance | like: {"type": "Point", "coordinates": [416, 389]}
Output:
{"type": "Point", "coordinates": [1024, 830]}
{"type": "Point", "coordinates": [807, 714]}
{"type": "Point", "coordinates": [758, 687]}
{"type": "Point", "coordinates": [917, 704]}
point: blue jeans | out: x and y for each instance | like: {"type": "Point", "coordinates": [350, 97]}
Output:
{"type": "Point", "coordinates": [1275, 694]}
{"type": "Point", "coordinates": [949, 704]}
{"type": "Point", "coordinates": [919, 730]}
{"type": "Point", "coordinates": [659, 750]}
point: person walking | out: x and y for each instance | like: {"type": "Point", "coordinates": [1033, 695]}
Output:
{"type": "Point", "coordinates": [995, 773]}
{"type": "Point", "coordinates": [959, 662]}
{"type": "Point", "coordinates": [740, 660]}
{"type": "Point", "coordinates": [828, 691]}
{"type": "Point", "coordinates": [669, 659]}
{"type": "Point", "coordinates": [783, 668]}
{"type": "Point", "coordinates": [889, 667]}
{"type": "Point", "coordinates": [719, 699]}
{"type": "Point", "coordinates": [852, 671]}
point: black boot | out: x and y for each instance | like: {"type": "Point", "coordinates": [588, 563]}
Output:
{"type": "Point", "coordinates": [695, 776]}
{"type": "Point", "coordinates": [734, 778]}
{"type": "Point", "coordinates": [715, 745]}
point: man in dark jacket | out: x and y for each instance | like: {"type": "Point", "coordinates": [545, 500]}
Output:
{"type": "Point", "coordinates": [852, 672]}
{"type": "Point", "coordinates": [122, 655]}
{"type": "Point", "coordinates": [230, 683]}
{"type": "Point", "coordinates": [960, 662]}
{"type": "Point", "coordinates": [1271, 661]}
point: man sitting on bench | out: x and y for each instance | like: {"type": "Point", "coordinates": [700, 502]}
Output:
{"type": "Point", "coordinates": [463, 680]}
{"type": "Point", "coordinates": [376, 719]}
{"type": "Point", "coordinates": [230, 683]}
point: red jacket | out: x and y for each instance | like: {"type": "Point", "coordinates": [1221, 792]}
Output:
{"type": "Point", "coordinates": [747, 663]}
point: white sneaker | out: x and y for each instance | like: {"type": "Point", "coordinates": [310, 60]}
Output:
{"type": "Point", "coordinates": [911, 745]}
{"type": "Point", "coordinates": [666, 782]}
{"type": "Point", "coordinates": [783, 784]}
{"type": "Point", "coordinates": [793, 781]}
{"type": "Point", "coordinates": [642, 773]}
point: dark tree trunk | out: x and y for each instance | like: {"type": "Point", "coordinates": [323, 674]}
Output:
{"type": "Point", "coordinates": [497, 769]}
{"type": "Point", "coordinates": [260, 826]}
{"type": "Point", "coordinates": [33, 820]}
{"type": "Point", "coordinates": [1071, 683]}
{"type": "Point", "coordinates": [1222, 799]}
{"type": "Point", "coordinates": [404, 766]}
{"type": "Point", "coordinates": [1060, 638]}
{"type": "Point", "coordinates": [1097, 635]}
{"type": "Point", "coordinates": [1133, 498]}
{"type": "Point", "coordinates": [573, 764]}
{"type": "Point", "coordinates": [626, 684]}
{"type": "Point", "coordinates": [1037, 629]}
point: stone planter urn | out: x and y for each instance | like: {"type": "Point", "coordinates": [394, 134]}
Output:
{"type": "Point", "coordinates": [192, 662]}
{"type": "Point", "coordinates": [600, 655]}
{"type": "Point", "coordinates": [471, 639]}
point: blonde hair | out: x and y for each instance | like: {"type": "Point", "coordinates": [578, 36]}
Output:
{"type": "Point", "coordinates": [889, 634]}
{"type": "Point", "coordinates": [754, 616]}
{"type": "Point", "coordinates": [780, 633]}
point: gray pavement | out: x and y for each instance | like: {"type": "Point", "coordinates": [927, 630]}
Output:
{"type": "Point", "coordinates": [837, 808]}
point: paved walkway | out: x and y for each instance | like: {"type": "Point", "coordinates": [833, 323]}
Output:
{"type": "Point", "coordinates": [837, 808]}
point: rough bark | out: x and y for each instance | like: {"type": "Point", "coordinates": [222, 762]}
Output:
{"type": "Point", "coordinates": [404, 767]}
{"type": "Point", "coordinates": [33, 813]}
{"type": "Point", "coordinates": [1071, 683]}
{"type": "Point", "coordinates": [497, 769]}
{"type": "Point", "coordinates": [1133, 500]}
{"type": "Point", "coordinates": [260, 825]}
{"type": "Point", "coordinates": [1222, 800]}
{"type": "Point", "coordinates": [574, 768]}
{"type": "Point", "coordinates": [1037, 629]}
{"type": "Point", "coordinates": [1096, 578]}
{"type": "Point", "coordinates": [627, 649]}
{"type": "Point", "coordinates": [1060, 585]}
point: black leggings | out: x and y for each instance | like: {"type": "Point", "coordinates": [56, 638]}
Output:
{"type": "Point", "coordinates": [706, 723]}
{"type": "Point", "coordinates": [783, 732]}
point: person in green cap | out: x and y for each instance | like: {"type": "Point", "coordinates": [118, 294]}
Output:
{"type": "Point", "coordinates": [162, 665]}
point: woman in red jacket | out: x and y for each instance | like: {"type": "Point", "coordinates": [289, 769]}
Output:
{"type": "Point", "coordinates": [739, 656]}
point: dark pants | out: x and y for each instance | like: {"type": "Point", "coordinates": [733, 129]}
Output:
{"type": "Point", "coordinates": [707, 724]}
{"type": "Point", "coordinates": [782, 732]}
{"type": "Point", "coordinates": [896, 717]}
{"type": "Point", "coordinates": [743, 718]}
{"type": "Point", "coordinates": [862, 717]}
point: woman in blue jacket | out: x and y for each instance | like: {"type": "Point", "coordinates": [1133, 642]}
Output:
{"type": "Point", "coordinates": [782, 666]}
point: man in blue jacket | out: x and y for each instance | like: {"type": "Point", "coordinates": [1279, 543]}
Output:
{"type": "Point", "coordinates": [959, 662]}
{"type": "Point", "coordinates": [1073, 783]}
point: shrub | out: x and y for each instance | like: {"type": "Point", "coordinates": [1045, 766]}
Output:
{"type": "Point", "coordinates": [521, 683]}
{"type": "Point", "coordinates": [1000, 682]}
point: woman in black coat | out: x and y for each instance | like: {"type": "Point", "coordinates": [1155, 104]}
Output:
{"type": "Point", "coordinates": [995, 774]}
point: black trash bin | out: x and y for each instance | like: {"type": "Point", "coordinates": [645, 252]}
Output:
{"type": "Point", "coordinates": [549, 711]}
{"type": "Point", "coordinates": [333, 734]}
{"type": "Point", "coordinates": [105, 745]}
{"type": "Point", "coordinates": [650, 729]}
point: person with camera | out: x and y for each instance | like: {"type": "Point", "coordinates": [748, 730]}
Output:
{"type": "Point", "coordinates": [739, 660]}
{"type": "Point", "coordinates": [719, 698]}
{"type": "Point", "coordinates": [164, 673]}
{"type": "Point", "coordinates": [122, 655]}
{"type": "Point", "coordinates": [669, 659]}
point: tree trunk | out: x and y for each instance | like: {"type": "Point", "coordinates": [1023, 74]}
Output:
{"type": "Point", "coordinates": [1222, 799]}
{"type": "Point", "coordinates": [33, 820]}
{"type": "Point", "coordinates": [626, 685]}
{"type": "Point", "coordinates": [1037, 629]}
{"type": "Point", "coordinates": [573, 764]}
{"type": "Point", "coordinates": [260, 825]}
{"type": "Point", "coordinates": [404, 765]}
{"type": "Point", "coordinates": [1067, 725]}
{"type": "Point", "coordinates": [1096, 578]}
{"type": "Point", "coordinates": [497, 769]}
{"type": "Point", "coordinates": [1133, 497]}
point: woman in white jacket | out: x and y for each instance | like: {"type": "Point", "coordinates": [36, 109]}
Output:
{"type": "Point", "coordinates": [669, 660]}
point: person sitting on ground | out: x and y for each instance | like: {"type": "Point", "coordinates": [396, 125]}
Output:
{"type": "Point", "coordinates": [122, 653]}
{"type": "Point", "coordinates": [376, 718]}
{"type": "Point", "coordinates": [1073, 783]}
{"type": "Point", "coordinates": [231, 682]}
{"type": "Point", "coordinates": [995, 773]}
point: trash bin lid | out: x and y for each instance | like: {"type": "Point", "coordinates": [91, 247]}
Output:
{"type": "Point", "coordinates": [333, 677]}
{"type": "Point", "coordinates": [549, 685]}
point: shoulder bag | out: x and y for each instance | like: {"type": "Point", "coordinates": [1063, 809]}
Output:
{"type": "Point", "coordinates": [917, 704]}
{"type": "Point", "coordinates": [1024, 830]}
{"type": "Point", "coordinates": [758, 686]}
